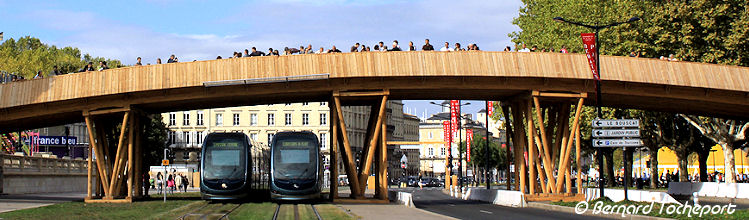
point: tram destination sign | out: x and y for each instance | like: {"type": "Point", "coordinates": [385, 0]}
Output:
{"type": "Point", "coordinates": [602, 123]}
{"type": "Point", "coordinates": [635, 142]}
{"type": "Point", "coordinates": [616, 133]}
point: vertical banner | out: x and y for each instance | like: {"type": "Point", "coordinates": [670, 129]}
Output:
{"type": "Point", "coordinates": [446, 135]}
{"type": "Point", "coordinates": [469, 139]}
{"type": "Point", "coordinates": [454, 105]}
{"type": "Point", "coordinates": [589, 44]}
{"type": "Point", "coordinates": [490, 108]}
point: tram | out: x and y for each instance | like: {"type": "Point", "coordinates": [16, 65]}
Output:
{"type": "Point", "coordinates": [226, 166]}
{"type": "Point", "coordinates": [296, 169]}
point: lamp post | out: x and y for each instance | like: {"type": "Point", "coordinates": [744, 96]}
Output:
{"type": "Point", "coordinates": [597, 28]}
{"type": "Point", "coordinates": [460, 136]}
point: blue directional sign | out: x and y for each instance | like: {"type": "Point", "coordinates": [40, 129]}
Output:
{"type": "Point", "coordinates": [617, 142]}
{"type": "Point", "coordinates": [616, 133]}
{"type": "Point", "coordinates": [601, 123]}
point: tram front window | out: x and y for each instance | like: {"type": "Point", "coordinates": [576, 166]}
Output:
{"type": "Point", "coordinates": [224, 159]}
{"type": "Point", "coordinates": [295, 159]}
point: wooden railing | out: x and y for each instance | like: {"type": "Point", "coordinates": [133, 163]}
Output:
{"type": "Point", "coordinates": [372, 64]}
{"type": "Point", "coordinates": [25, 165]}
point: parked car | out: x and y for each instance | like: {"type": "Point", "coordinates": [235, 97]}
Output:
{"type": "Point", "coordinates": [413, 181]}
{"type": "Point", "coordinates": [425, 181]}
{"type": "Point", "coordinates": [436, 183]}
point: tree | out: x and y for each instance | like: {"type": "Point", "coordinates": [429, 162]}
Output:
{"type": "Point", "coordinates": [497, 155]}
{"type": "Point", "coordinates": [680, 138]}
{"type": "Point", "coordinates": [727, 133]}
{"type": "Point", "coordinates": [702, 146]}
{"type": "Point", "coordinates": [27, 55]}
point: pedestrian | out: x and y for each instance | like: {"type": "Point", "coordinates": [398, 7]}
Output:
{"type": "Point", "coordinates": [146, 183]}
{"type": "Point", "coordinates": [160, 183]}
{"type": "Point", "coordinates": [39, 75]}
{"type": "Point", "coordinates": [507, 49]}
{"type": "Point", "coordinates": [256, 53]}
{"type": "Point", "coordinates": [55, 72]}
{"type": "Point", "coordinates": [152, 182]}
{"type": "Point", "coordinates": [170, 183]}
{"type": "Point", "coordinates": [381, 47]}
{"type": "Point", "coordinates": [103, 65]}
{"type": "Point", "coordinates": [446, 47]}
{"type": "Point", "coordinates": [427, 46]}
{"type": "Point", "coordinates": [158, 60]}
{"type": "Point", "coordinates": [334, 50]}
{"type": "Point", "coordinates": [524, 49]}
{"type": "Point", "coordinates": [395, 46]}
{"type": "Point", "coordinates": [185, 183]}
{"type": "Point", "coordinates": [138, 63]}
{"type": "Point", "coordinates": [564, 49]}
{"type": "Point", "coordinates": [355, 48]}
{"type": "Point", "coordinates": [411, 46]}
{"type": "Point", "coordinates": [457, 47]}
{"type": "Point", "coordinates": [177, 181]}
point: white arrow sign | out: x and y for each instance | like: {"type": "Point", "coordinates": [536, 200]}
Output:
{"type": "Point", "coordinates": [600, 123]}
{"type": "Point", "coordinates": [617, 143]}
{"type": "Point", "coordinates": [616, 133]}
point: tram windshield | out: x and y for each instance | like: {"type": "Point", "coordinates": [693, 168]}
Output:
{"type": "Point", "coordinates": [224, 158]}
{"type": "Point", "coordinates": [295, 158]}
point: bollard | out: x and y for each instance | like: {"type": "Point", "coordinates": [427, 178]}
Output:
{"type": "Point", "coordinates": [695, 199]}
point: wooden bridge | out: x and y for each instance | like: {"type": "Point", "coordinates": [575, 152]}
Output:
{"type": "Point", "coordinates": [550, 82]}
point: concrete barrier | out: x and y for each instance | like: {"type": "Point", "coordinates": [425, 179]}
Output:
{"type": "Point", "coordinates": [402, 198]}
{"type": "Point", "coordinates": [22, 174]}
{"type": "Point", "coordinates": [710, 189]}
{"type": "Point", "coordinates": [617, 195]}
{"type": "Point", "coordinates": [497, 197]}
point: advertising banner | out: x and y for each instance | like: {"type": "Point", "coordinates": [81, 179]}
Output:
{"type": "Point", "coordinates": [589, 44]}
{"type": "Point", "coordinates": [469, 139]}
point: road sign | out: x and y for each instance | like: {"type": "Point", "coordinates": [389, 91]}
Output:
{"type": "Point", "coordinates": [164, 162]}
{"type": "Point", "coordinates": [600, 123]}
{"type": "Point", "coordinates": [635, 142]}
{"type": "Point", "coordinates": [616, 133]}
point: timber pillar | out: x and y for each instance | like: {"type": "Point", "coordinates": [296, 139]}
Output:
{"type": "Point", "coordinates": [116, 152]}
{"type": "Point", "coordinates": [542, 139]}
{"type": "Point", "coordinates": [373, 153]}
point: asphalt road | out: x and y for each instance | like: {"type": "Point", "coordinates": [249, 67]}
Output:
{"type": "Point", "coordinates": [433, 200]}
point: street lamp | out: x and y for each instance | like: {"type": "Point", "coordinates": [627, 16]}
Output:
{"type": "Point", "coordinates": [460, 137]}
{"type": "Point", "coordinates": [597, 28]}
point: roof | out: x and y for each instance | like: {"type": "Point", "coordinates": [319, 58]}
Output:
{"type": "Point", "coordinates": [440, 116]}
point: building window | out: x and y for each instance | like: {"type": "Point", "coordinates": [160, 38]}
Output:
{"type": "Point", "coordinates": [172, 137]}
{"type": "Point", "coordinates": [430, 135]}
{"type": "Point", "coordinates": [185, 118]}
{"type": "Point", "coordinates": [172, 119]}
{"type": "Point", "coordinates": [271, 119]}
{"type": "Point", "coordinates": [305, 119]}
{"type": "Point", "coordinates": [253, 137]}
{"type": "Point", "coordinates": [323, 141]}
{"type": "Point", "coordinates": [442, 151]}
{"type": "Point", "coordinates": [323, 119]}
{"type": "Point", "coordinates": [253, 119]}
{"type": "Point", "coordinates": [431, 151]}
{"type": "Point", "coordinates": [219, 119]}
{"type": "Point", "coordinates": [305, 103]}
{"type": "Point", "coordinates": [201, 136]}
{"type": "Point", "coordinates": [200, 118]}
{"type": "Point", "coordinates": [186, 137]}
{"type": "Point", "coordinates": [270, 138]}
{"type": "Point", "coordinates": [288, 119]}
{"type": "Point", "coordinates": [235, 119]}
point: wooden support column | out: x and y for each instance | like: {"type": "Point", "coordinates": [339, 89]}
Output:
{"type": "Point", "coordinates": [577, 158]}
{"type": "Point", "coordinates": [531, 149]}
{"type": "Point", "coordinates": [138, 155]}
{"type": "Point", "coordinates": [95, 141]}
{"type": "Point", "coordinates": [130, 149]}
{"type": "Point", "coordinates": [508, 133]}
{"type": "Point", "coordinates": [373, 141]}
{"type": "Point", "coordinates": [520, 146]}
{"type": "Point", "coordinates": [567, 146]}
{"type": "Point", "coordinates": [382, 187]}
{"type": "Point", "coordinates": [88, 182]}
{"type": "Point", "coordinates": [347, 154]}
{"type": "Point", "coordinates": [333, 151]}
{"type": "Point", "coordinates": [544, 152]}
{"type": "Point", "coordinates": [119, 158]}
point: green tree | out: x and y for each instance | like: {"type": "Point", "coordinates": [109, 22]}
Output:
{"type": "Point", "coordinates": [497, 155]}
{"type": "Point", "coordinates": [27, 55]}
{"type": "Point", "coordinates": [727, 133]}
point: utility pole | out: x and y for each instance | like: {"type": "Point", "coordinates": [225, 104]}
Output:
{"type": "Point", "coordinates": [486, 151]}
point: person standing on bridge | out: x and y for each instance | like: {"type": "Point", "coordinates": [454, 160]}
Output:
{"type": "Point", "coordinates": [172, 59]}
{"type": "Point", "coordinates": [446, 47]}
{"type": "Point", "coordinates": [256, 53]}
{"type": "Point", "coordinates": [411, 46]}
{"type": "Point", "coordinates": [381, 47]}
{"type": "Point", "coordinates": [427, 46]}
{"type": "Point", "coordinates": [524, 49]}
{"type": "Point", "coordinates": [355, 48]}
{"type": "Point", "coordinates": [334, 50]}
{"type": "Point", "coordinates": [457, 47]}
{"type": "Point", "coordinates": [138, 63]}
{"type": "Point", "coordinates": [103, 65]}
{"type": "Point", "coordinates": [395, 46]}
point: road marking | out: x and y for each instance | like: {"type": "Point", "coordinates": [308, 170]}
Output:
{"type": "Point", "coordinates": [487, 212]}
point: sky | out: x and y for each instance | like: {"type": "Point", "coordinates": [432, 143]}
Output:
{"type": "Point", "coordinates": [203, 29]}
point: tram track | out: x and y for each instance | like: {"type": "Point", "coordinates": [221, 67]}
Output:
{"type": "Point", "coordinates": [293, 211]}
{"type": "Point", "coordinates": [211, 211]}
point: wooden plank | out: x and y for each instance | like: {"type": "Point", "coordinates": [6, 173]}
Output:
{"type": "Point", "coordinates": [89, 172]}
{"type": "Point", "coordinates": [362, 93]}
{"type": "Point", "coordinates": [373, 140]}
{"type": "Point", "coordinates": [106, 111]}
{"type": "Point", "coordinates": [577, 161]}
{"type": "Point", "coordinates": [130, 149]}
{"type": "Point", "coordinates": [508, 133]}
{"type": "Point", "coordinates": [347, 156]}
{"type": "Point", "coordinates": [520, 146]}
{"type": "Point", "coordinates": [382, 174]}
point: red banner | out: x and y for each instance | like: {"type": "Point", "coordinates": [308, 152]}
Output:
{"type": "Point", "coordinates": [589, 44]}
{"type": "Point", "coordinates": [446, 135]}
{"type": "Point", "coordinates": [490, 108]}
{"type": "Point", "coordinates": [454, 114]}
{"type": "Point", "coordinates": [469, 139]}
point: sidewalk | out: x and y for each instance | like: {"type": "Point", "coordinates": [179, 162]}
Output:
{"type": "Point", "coordinates": [25, 201]}
{"type": "Point", "coordinates": [390, 211]}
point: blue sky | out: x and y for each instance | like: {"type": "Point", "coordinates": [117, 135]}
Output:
{"type": "Point", "coordinates": [201, 29]}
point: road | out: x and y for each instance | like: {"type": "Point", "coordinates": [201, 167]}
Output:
{"type": "Point", "coordinates": [433, 200]}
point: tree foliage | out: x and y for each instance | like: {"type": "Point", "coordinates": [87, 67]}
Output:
{"type": "Point", "coordinates": [27, 55]}
{"type": "Point", "coordinates": [696, 30]}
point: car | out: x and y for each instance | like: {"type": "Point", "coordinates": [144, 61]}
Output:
{"type": "Point", "coordinates": [413, 181]}
{"type": "Point", "coordinates": [425, 181]}
{"type": "Point", "coordinates": [436, 183]}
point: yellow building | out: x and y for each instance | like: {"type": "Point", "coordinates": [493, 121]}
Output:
{"type": "Point", "coordinates": [433, 151]}
{"type": "Point", "coordinates": [667, 161]}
